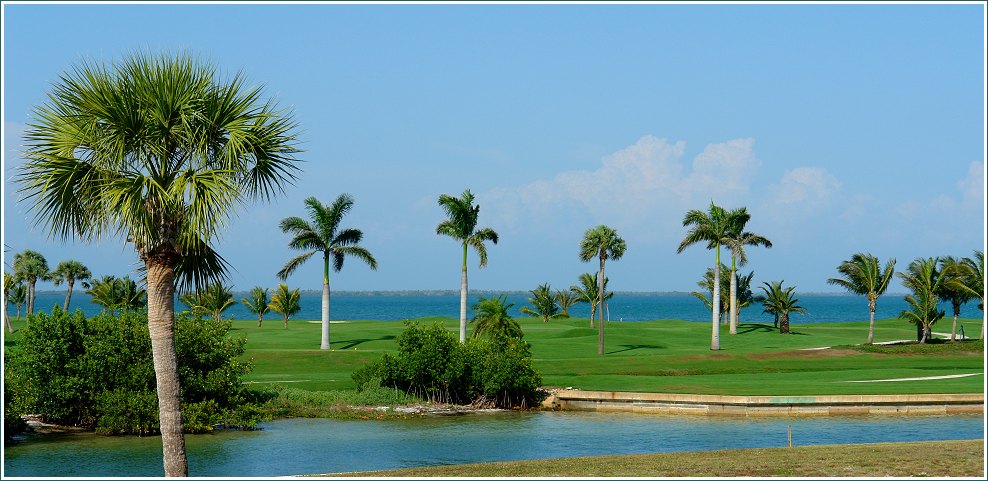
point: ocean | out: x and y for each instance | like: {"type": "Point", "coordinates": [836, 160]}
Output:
{"type": "Point", "coordinates": [625, 306]}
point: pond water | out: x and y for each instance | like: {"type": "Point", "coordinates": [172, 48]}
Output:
{"type": "Point", "coordinates": [310, 446]}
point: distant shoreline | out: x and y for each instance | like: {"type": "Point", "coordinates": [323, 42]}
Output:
{"type": "Point", "coordinates": [451, 292]}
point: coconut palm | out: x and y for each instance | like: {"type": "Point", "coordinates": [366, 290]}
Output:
{"type": "Point", "coordinates": [543, 302]}
{"type": "Point", "coordinates": [924, 278]}
{"type": "Point", "coordinates": [159, 151]}
{"type": "Point", "coordinates": [285, 302]}
{"type": "Point", "coordinates": [213, 299]}
{"type": "Point", "coordinates": [257, 302]}
{"type": "Point", "coordinates": [565, 300]}
{"type": "Point", "coordinates": [30, 266]}
{"type": "Point", "coordinates": [588, 292]}
{"type": "Point", "coordinates": [492, 318]}
{"type": "Point", "coordinates": [705, 294]}
{"type": "Point", "coordinates": [18, 295]}
{"type": "Point", "coordinates": [954, 270]}
{"type": "Point", "coordinates": [780, 301]}
{"type": "Point", "coordinates": [863, 274]}
{"type": "Point", "coordinates": [602, 243]}
{"type": "Point", "coordinates": [69, 272]}
{"type": "Point", "coordinates": [713, 228]}
{"type": "Point", "coordinates": [324, 236]}
{"type": "Point", "coordinates": [9, 282]}
{"type": "Point", "coordinates": [113, 293]}
{"type": "Point", "coordinates": [461, 225]}
{"type": "Point", "coordinates": [736, 240]}
{"type": "Point", "coordinates": [971, 279]}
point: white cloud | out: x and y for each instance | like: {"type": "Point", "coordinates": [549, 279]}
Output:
{"type": "Point", "coordinates": [972, 187]}
{"type": "Point", "coordinates": [806, 188]}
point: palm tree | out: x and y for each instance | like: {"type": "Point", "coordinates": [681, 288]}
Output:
{"type": "Point", "coordinates": [706, 293]}
{"type": "Point", "coordinates": [30, 266]}
{"type": "Point", "coordinates": [257, 303]}
{"type": "Point", "coordinates": [461, 225]}
{"type": "Point", "coordinates": [713, 228]}
{"type": "Point", "coordinates": [69, 272]}
{"type": "Point", "coordinates": [745, 297]}
{"type": "Point", "coordinates": [543, 302]}
{"type": "Point", "coordinates": [285, 302]}
{"type": "Point", "coordinates": [564, 299]}
{"type": "Point", "coordinates": [492, 318]}
{"type": "Point", "coordinates": [113, 293]}
{"type": "Point", "coordinates": [322, 235]}
{"type": "Point", "coordinates": [971, 279]}
{"type": "Point", "coordinates": [18, 295]}
{"type": "Point", "coordinates": [780, 302]}
{"type": "Point", "coordinates": [603, 243]}
{"type": "Point", "coordinates": [213, 299]}
{"type": "Point", "coordinates": [159, 151]}
{"type": "Point", "coordinates": [9, 282]}
{"type": "Point", "coordinates": [737, 238]}
{"type": "Point", "coordinates": [923, 277]}
{"type": "Point", "coordinates": [588, 291]}
{"type": "Point", "coordinates": [863, 274]}
{"type": "Point", "coordinates": [954, 270]}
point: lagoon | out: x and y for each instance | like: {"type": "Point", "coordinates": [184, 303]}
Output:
{"type": "Point", "coordinates": [310, 446]}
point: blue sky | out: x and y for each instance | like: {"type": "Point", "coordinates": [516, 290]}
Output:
{"type": "Point", "coordinates": [842, 128]}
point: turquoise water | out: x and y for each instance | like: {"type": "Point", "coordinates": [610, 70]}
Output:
{"type": "Point", "coordinates": [623, 307]}
{"type": "Point", "coordinates": [311, 446]}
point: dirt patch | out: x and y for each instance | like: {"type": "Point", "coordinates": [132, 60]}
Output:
{"type": "Point", "coordinates": [807, 353]}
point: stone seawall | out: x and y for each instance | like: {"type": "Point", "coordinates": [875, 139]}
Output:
{"type": "Point", "coordinates": [703, 404]}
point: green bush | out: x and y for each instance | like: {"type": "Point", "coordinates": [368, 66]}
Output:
{"type": "Point", "coordinates": [98, 373]}
{"type": "Point", "coordinates": [432, 364]}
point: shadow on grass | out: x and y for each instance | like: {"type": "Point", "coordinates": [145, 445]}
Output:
{"type": "Point", "coordinates": [632, 347]}
{"type": "Point", "coordinates": [750, 327]}
{"type": "Point", "coordinates": [350, 344]}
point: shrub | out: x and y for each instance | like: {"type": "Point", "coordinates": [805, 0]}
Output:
{"type": "Point", "coordinates": [98, 373]}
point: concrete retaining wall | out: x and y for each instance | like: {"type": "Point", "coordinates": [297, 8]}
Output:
{"type": "Point", "coordinates": [662, 403]}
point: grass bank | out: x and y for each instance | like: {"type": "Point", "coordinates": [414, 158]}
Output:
{"type": "Point", "coordinates": [927, 458]}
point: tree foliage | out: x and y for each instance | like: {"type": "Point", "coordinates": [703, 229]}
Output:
{"type": "Point", "coordinates": [781, 301]}
{"type": "Point", "coordinates": [491, 318]}
{"type": "Point", "coordinates": [285, 302]}
{"type": "Point", "coordinates": [543, 303]}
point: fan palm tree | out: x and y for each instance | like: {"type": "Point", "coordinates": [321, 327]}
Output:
{"type": "Point", "coordinates": [285, 302]}
{"type": "Point", "coordinates": [461, 225]}
{"type": "Point", "coordinates": [971, 278]}
{"type": "Point", "coordinates": [564, 299]}
{"type": "Point", "coordinates": [863, 274]}
{"type": "Point", "coordinates": [492, 318]}
{"type": "Point", "coordinates": [543, 302]}
{"type": "Point", "coordinates": [781, 301]}
{"type": "Point", "coordinates": [588, 291]}
{"type": "Point", "coordinates": [159, 151]}
{"type": "Point", "coordinates": [69, 272]}
{"type": "Point", "coordinates": [257, 302]}
{"type": "Point", "coordinates": [30, 266]}
{"type": "Point", "coordinates": [9, 282]}
{"type": "Point", "coordinates": [324, 235]}
{"type": "Point", "coordinates": [213, 299]}
{"type": "Point", "coordinates": [602, 243]}
{"type": "Point", "coordinates": [713, 228]}
{"type": "Point", "coordinates": [924, 278]}
{"type": "Point", "coordinates": [736, 240]}
{"type": "Point", "coordinates": [954, 270]}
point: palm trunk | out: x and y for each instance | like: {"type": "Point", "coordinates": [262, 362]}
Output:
{"type": "Point", "coordinates": [161, 326]}
{"type": "Point", "coordinates": [871, 321]}
{"type": "Point", "coordinates": [734, 297]}
{"type": "Point", "coordinates": [593, 312]}
{"type": "Point", "coordinates": [953, 328]}
{"type": "Point", "coordinates": [784, 323]}
{"type": "Point", "coordinates": [30, 298]}
{"type": "Point", "coordinates": [600, 322]}
{"type": "Point", "coordinates": [715, 312]}
{"type": "Point", "coordinates": [325, 304]}
{"type": "Point", "coordinates": [68, 295]}
{"type": "Point", "coordinates": [463, 298]}
{"type": "Point", "coordinates": [6, 317]}
{"type": "Point", "coordinates": [259, 318]}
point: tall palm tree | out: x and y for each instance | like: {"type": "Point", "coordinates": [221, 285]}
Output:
{"type": "Point", "coordinates": [324, 235]}
{"type": "Point", "coordinates": [461, 225]}
{"type": "Point", "coordinates": [971, 279]}
{"type": "Point", "coordinates": [564, 299]}
{"type": "Point", "coordinates": [159, 151]}
{"type": "Point", "coordinates": [588, 291]}
{"type": "Point", "coordinates": [706, 293]}
{"type": "Point", "coordinates": [213, 299]}
{"type": "Point", "coordinates": [30, 266]}
{"type": "Point", "coordinates": [18, 295]}
{"type": "Point", "coordinates": [9, 282]}
{"type": "Point", "coordinates": [925, 279]}
{"type": "Point", "coordinates": [285, 302]}
{"type": "Point", "coordinates": [69, 272]}
{"type": "Point", "coordinates": [736, 240]}
{"type": "Point", "coordinates": [713, 228]}
{"type": "Point", "coordinates": [953, 270]}
{"type": "Point", "coordinates": [543, 302]}
{"type": "Point", "coordinates": [863, 274]}
{"type": "Point", "coordinates": [257, 302]}
{"type": "Point", "coordinates": [602, 243]}
{"type": "Point", "coordinates": [492, 318]}
{"type": "Point", "coordinates": [781, 301]}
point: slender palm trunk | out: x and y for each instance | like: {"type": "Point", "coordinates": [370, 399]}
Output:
{"type": "Point", "coordinates": [325, 303]}
{"type": "Point", "coordinates": [953, 328]}
{"type": "Point", "coordinates": [463, 298]}
{"type": "Point", "coordinates": [593, 312]}
{"type": "Point", "coordinates": [6, 317]}
{"type": "Point", "coordinates": [259, 318]}
{"type": "Point", "coordinates": [734, 296]}
{"type": "Point", "coordinates": [286, 321]}
{"type": "Point", "coordinates": [871, 321]}
{"type": "Point", "coordinates": [161, 326]}
{"type": "Point", "coordinates": [715, 312]}
{"type": "Point", "coordinates": [30, 297]}
{"type": "Point", "coordinates": [600, 322]}
{"type": "Point", "coordinates": [68, 295]}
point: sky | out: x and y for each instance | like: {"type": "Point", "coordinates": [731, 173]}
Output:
{"type": "Point", "coordinates": [842, 128]}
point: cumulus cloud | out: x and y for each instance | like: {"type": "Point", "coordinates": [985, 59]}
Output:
{"type": "Point", "coordinates": [802, 191]}
{"type": "Point", "coordinates": [972, 186]}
